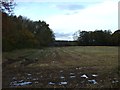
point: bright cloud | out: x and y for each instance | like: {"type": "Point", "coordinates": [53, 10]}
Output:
{"type": "Point", "coordinates": [98, 16]}
{"type": "Point", "coordinates": [63, 36]}
{"type": "Point", "coordinates": [67, 16]}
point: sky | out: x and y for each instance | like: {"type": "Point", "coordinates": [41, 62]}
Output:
{"type": "Point", "coordinates": [65, 17]}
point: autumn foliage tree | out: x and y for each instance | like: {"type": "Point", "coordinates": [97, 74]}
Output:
{"type": "Point", "coordinates": [20, 32]}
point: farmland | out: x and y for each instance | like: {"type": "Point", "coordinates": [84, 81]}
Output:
{"type": "Point", "coordinates": [61, 67]}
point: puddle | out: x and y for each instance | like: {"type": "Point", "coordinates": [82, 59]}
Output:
{"type": "Point", "coordinates": [63, 83]}
{"type": "Point", "coordinates": [72, 76]}
{"type": "Point", "coordinates": [84, 76]}
{"type": "Point", "coordinates": [59, 83]}
{"type": "Point", "coordinates": [35, 79]}
{"type": "Point", "coordinates": [82, 81]}
{"type": "Point", "coordinates": [29, 78]}
{"type": "Point", "coordinates": [38, 73]}
{"type": "Point", "coordinates": [115, 81]}
{"type": "Point", "coordinates": [94, 75]}
{"type": "Point", "coordinates": [41, 76]}
{"type": "Point", "coordinates": [36, 82]}
{"type": "Point", "coordinates": [43, 65]}
{"type": "Point", "coordinates": [51, 83]}
{"type": "Point", "coordinates": [62, 77]}
{"type": "Point", "coordinates": [20, 83]}
{"type": "Point", "coordinates": [14, 78]}
{"type": "Point", "coordinates": [61, 71]}
{"type": "Point", "coordinates": [72, 73]}
{"type": "Point", "coordinates": [92, 81]}
{"type": "Point", "coordinates": [36, 59]}
{"type": "Point", "coordinates": [78, 68]}
{"type": "Point", "coordinates": [29, 74]}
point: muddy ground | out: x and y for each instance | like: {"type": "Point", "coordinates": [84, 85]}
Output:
{"type": "Point", "coordinates": [76, 77]}
{"type": "Point", "coordinates": [71, 67]}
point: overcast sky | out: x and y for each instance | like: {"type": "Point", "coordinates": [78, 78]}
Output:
{"type": "Point", "coordinates": [68, 16]}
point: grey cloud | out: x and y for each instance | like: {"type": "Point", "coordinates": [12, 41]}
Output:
{"type": "Point", "coordinates": [70, 6]}
{"type": "Point", "coordinates": [59, 35]}
{"type": "Point", "coordinates": [64, 36]}
{"type": "Point", "coordinates": [70, 13]}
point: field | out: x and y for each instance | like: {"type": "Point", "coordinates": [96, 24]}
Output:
{"type": "Point", "coordinates": [61, 67]}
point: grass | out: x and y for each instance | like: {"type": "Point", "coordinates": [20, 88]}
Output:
{"type": "Point", "coordinates": [92, 59]}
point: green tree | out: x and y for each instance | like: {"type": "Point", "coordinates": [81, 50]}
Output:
{"type": "Point", "coordinates": [97, 37]}
{"type": "Point", "coordinates": [116, 38]}
{"type": "Point", "coordinates": [43, 33]}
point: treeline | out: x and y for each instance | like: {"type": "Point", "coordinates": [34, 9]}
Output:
{"type": "Point", "coordinates": [99, 37]}
{"type": "Point", "coordinates": [93, 38]}
{"type": "Point", "coordinates": [20, 32]}
{"type": "Point", "coordinates": [60, 43]}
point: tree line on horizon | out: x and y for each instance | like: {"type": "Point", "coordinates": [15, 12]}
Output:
{"type": "Point", "coordinates": [92, 38]}
{"type": "Point", "coordinates": [99, 37]}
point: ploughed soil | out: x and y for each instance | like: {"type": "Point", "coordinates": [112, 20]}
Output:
{"type": "Point", "coordinates": [75, 77]}
{"type": "Point", "coordinates": [62, 67]}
